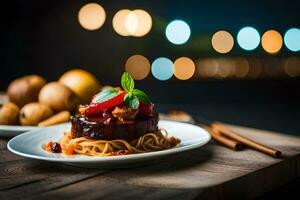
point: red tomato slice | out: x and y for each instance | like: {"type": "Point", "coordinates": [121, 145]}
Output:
{"type": "Point", "coordinates": [97, 108]}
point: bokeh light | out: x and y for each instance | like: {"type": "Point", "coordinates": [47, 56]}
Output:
{"type": "Point", "coordinates": [226, 68]}
{"type": "Point", "coordinates": [292, 39]}
{"type": "Point", "coordinates": [222, 41]}
{"type": "Point", "coordinates": [184, 68]}
{"type": "Point", "coordinates": [178, 32]}
{"type": "Point", "coordinates": [248, 38]}
{"type": "Point", "coordinates": [91, 16]}
{"type": "Point", "coordinates": [119, 22]}
{"type": "Point", "coordinates": [138, 23]}
{"type": "Point", "coordinates": [273, 67]}
{"type": "Point", "coordinates": [292, 66]}
{"type": "Point", "coordinates": [132, 23]}
{"type": "Point", "coordinates": [255, 68]}
{"type": "Point", "coordinates": [138, 67]}
{"type": "Point", "coordinates": [207, 67]}
{"type": "Point", "coordinates": [271, 41]}
{"type": "Point", "coordinates": [241, 67]}
{"type": "Point", "coordinates": [162, 68]}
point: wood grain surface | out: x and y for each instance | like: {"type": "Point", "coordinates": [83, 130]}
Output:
{"type": "Point", "coordinates": [209, 172]}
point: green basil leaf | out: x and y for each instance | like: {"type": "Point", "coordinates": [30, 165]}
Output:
{"type": "Point", "coordinates": [127, 82]}
{"type": "Point", "coordinates": [142, 96]}
{"type": "Point", "coordinates": [132, 101]}
{"type": "Point", "coordinates": [105, 95]}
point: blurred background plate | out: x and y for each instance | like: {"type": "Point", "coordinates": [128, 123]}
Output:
{"type": "Point", "coordinates": [12, 131]}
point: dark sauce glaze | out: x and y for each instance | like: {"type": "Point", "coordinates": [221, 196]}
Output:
{"type": "Point", "coordinates": [95, 127]}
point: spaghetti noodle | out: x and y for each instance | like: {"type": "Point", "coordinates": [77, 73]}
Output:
{"type": "Point", "coordinates": [91, 147]}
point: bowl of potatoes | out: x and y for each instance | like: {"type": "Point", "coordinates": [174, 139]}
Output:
{"type": "Point", "coordinates": [31, 102]}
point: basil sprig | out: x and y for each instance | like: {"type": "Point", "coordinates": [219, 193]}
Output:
{"type": "Point", "coordinates": [133, 96]}
{"type": "Point", "coordinates": [105, 95]}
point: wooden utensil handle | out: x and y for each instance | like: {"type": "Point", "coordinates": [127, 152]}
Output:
{"type": "Point", "coordinates": [218, 127]}
{"type": "Point", "coordinates": [225, 141]}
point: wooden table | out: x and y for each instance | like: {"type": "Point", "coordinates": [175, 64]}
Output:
{"type": "Point", "coordinates": [210, 172]}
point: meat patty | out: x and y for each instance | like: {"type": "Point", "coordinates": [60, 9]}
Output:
{"type": "Point", "coordinates": [96, 128]}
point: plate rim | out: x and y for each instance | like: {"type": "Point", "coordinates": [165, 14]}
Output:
{"type": "Point", "coordinates": [10, 131]}
{"type": "Point", "coordinates": [18, 128]}
{"type": "Point", "coordinates": [175, 150]}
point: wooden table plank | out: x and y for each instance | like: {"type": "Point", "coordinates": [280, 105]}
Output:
{"type": "Point", "coordinates": [114, 188]}
{"type": "Point", "coordinates": [5, 155]}
{"type": "Point", "coordinates": [216, 171]}
{"type": "Point", "coordinates": [104, 188]}
{"type": "Point", "coordinates": [211, 161]}
{"type": "Point", "coordinates": [210, 172]}
{"type": "Point", "coordinates": [24, 178]}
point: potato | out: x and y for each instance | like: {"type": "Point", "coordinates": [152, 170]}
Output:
{"type": "Point", "coordinates": [58, 96]}
{"type": "Point", "coordinates": [25, 90]}
{"type": "Point", "coordinates": [9, 114]}
{"type": "Point", "coordinates": [82, 83]}
{"type": "Point", "coordinates": [33, 113]}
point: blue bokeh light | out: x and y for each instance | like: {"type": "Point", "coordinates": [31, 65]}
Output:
{"type": "Point", "coordinates": [178, 32]}
{"type": "Point", "coordinates": [248, 38]}
{"type": "Point", "coordinates": [162, 68]}
{"type": "Point", "coordinates": [292, 39]}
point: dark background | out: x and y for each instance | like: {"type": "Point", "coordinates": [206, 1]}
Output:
{"type": "Point", "coordinates": [44, 37]}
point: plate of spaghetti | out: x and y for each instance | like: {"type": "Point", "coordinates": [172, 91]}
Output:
{"type": "Point", "coordinates": [118, 127]}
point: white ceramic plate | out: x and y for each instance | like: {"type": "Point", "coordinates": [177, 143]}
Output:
{"type": "Point", "coordinates": [12, 131]}
{"type": "Point", "coordinates": [30, 145]}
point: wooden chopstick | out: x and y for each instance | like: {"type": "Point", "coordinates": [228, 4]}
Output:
{"type": "Point", "coordinates": [218, 127]}
{"type": "Point", "coordinates": [232, 144]}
